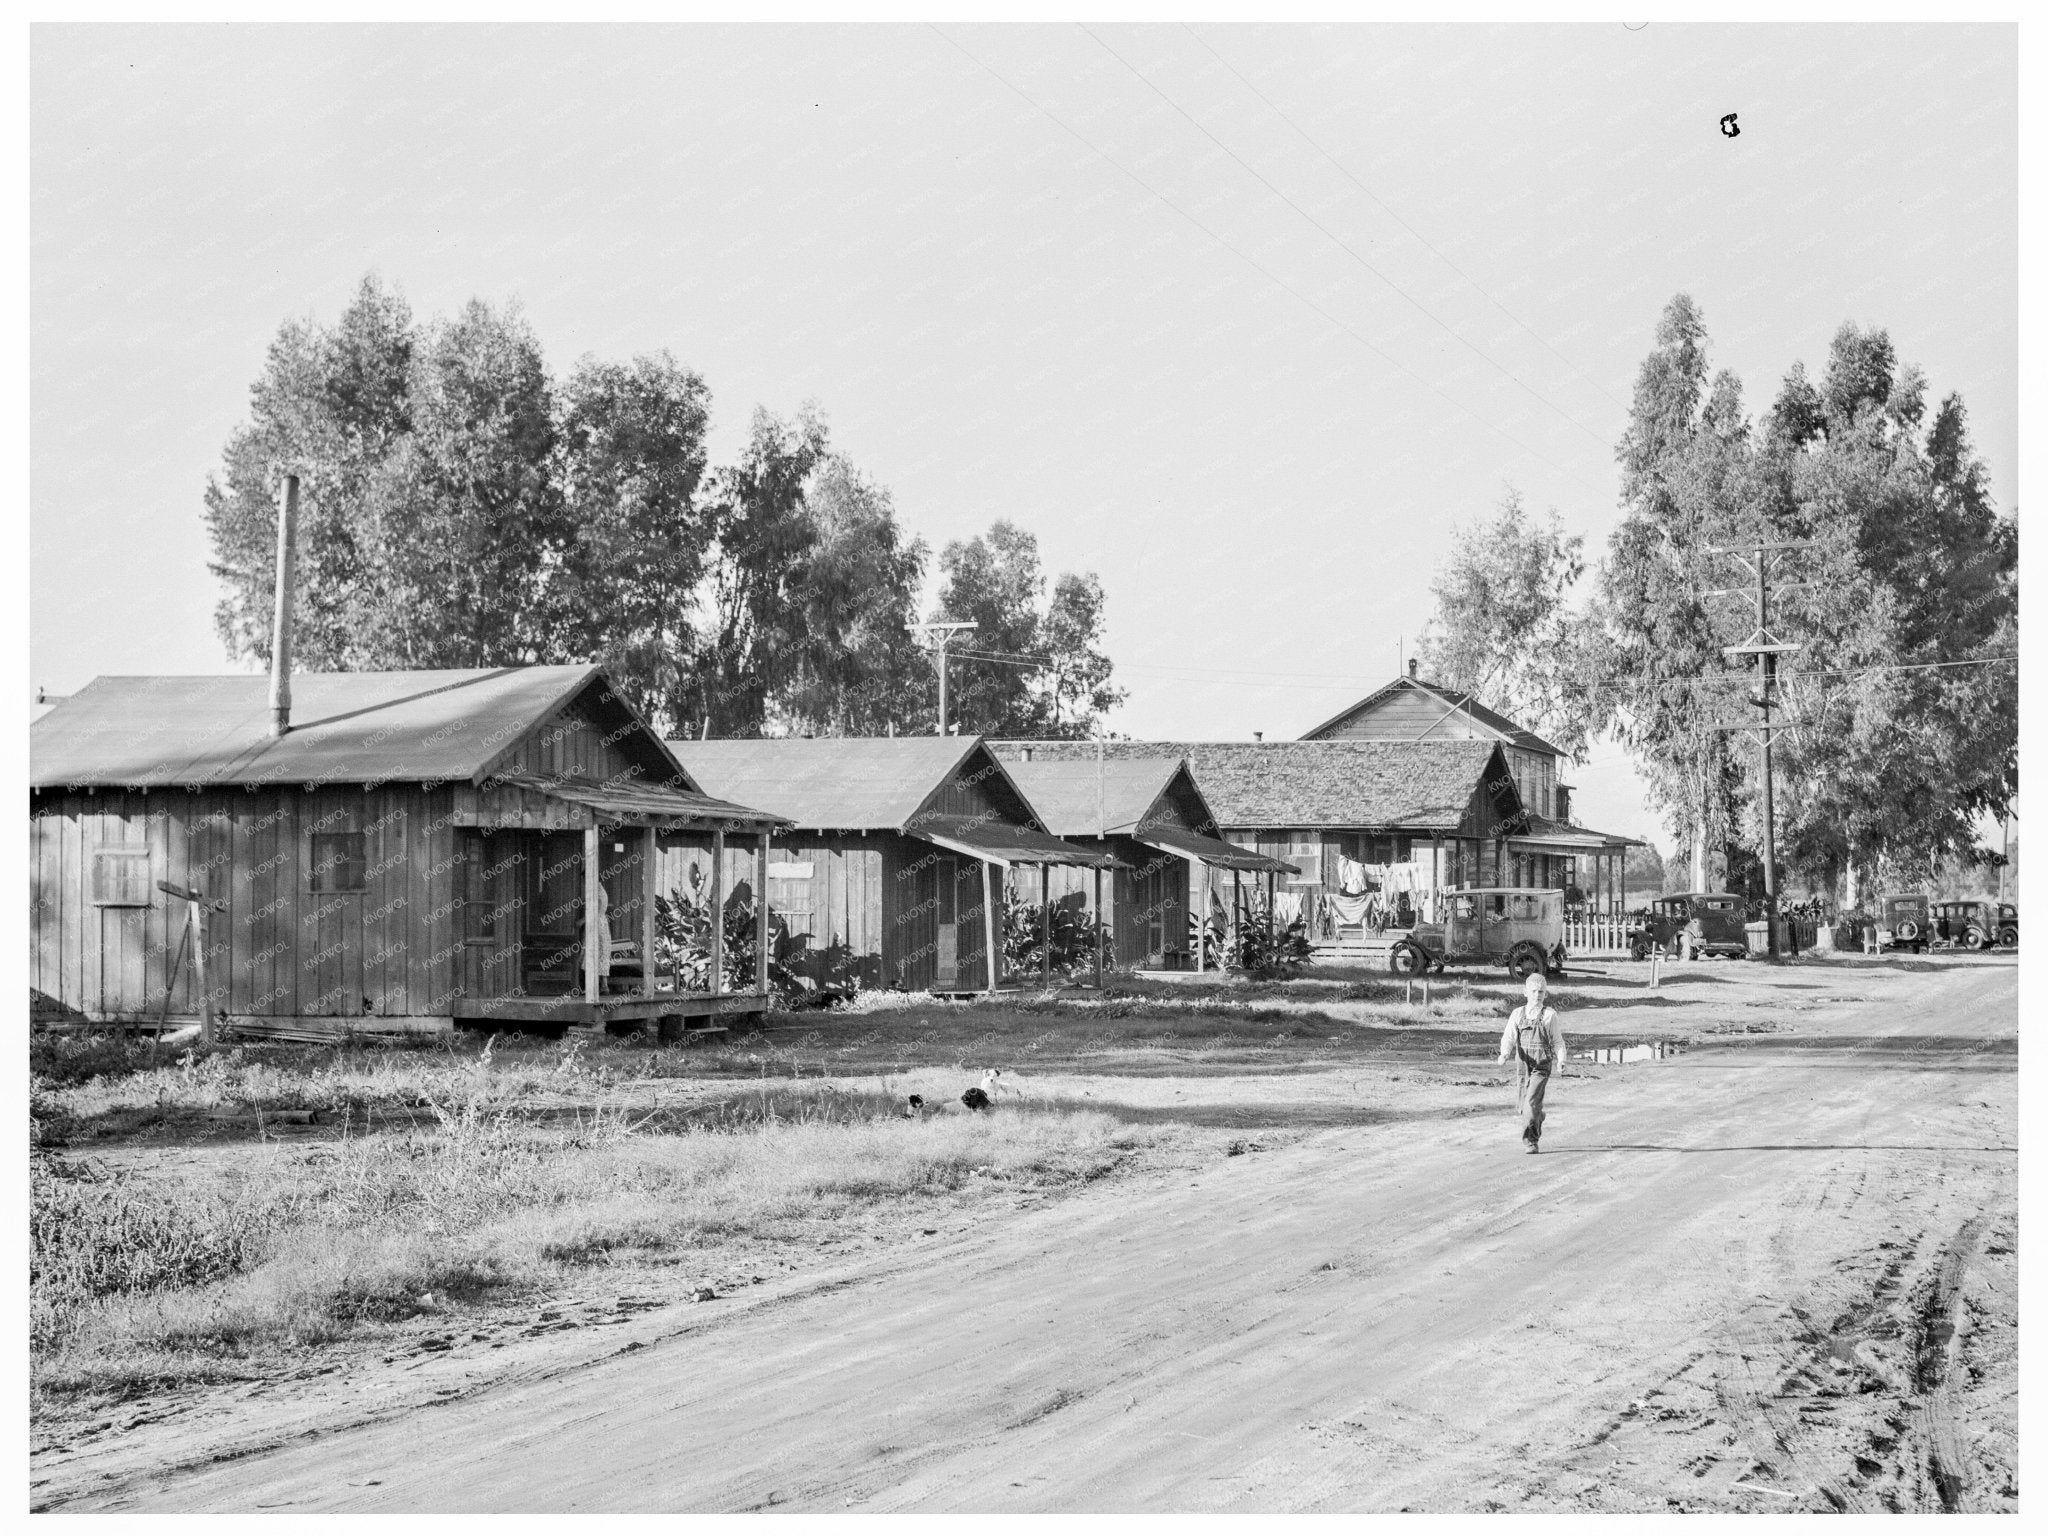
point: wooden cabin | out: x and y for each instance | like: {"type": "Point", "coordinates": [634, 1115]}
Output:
{"type": "Point", "coordinates": [418, 849]}
{"type": "Point", "coordinates": [1548, 853]}
{"type": "Point", "coordinates": [1409, 819]}
{"type": "Point", "coordinates": [1147, 813]}
{"type": "Point", "coordinates": [892, 873]}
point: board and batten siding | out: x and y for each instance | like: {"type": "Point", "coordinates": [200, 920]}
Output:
{"type": "Point", "coordinates": [279, 948]}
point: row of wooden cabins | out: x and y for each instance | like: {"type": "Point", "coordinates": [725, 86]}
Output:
{"type": "Point", "coordinates": [416, 850]}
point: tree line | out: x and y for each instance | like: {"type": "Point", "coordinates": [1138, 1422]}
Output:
{"type": "Point", "coordinates": [461, 507]}
{"type": "Point", "coordinates": [1905, 689]}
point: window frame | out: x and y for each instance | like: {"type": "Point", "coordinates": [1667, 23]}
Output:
{"type": "Point", "coordinates": [131, 852]}
{"type": "Point", "coordinates": [314, 868]}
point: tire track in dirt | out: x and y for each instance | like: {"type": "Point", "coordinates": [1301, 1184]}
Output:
{"type": "Point", "coordinates": [1935, 1356]}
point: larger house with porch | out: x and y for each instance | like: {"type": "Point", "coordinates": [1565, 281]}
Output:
{"type": "Point", "coordinates": [405, 851]}
{"type": "Point", "coordinates": [1548, 852]}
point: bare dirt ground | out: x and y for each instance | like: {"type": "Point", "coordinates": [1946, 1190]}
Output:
{"type": "Point", "coordinates": [1774, 1272]}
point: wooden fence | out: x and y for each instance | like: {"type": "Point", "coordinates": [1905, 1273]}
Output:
{"type": "Point", "coordinates": [1596, 938]}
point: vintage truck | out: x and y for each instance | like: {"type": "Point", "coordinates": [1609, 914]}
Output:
{"type": "Point", "coordinates": [1487, 925]}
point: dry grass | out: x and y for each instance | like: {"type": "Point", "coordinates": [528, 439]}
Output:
{"type": "Point", "coordinates": [472, 1171]}
{"type": "Point", "coordinates": [139, 1281]}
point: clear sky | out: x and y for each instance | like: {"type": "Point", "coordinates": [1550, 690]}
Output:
{"type": "Point", "coordinates": [1242, 318]}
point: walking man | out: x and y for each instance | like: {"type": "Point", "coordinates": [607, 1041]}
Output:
{"type": "Point", "coordinates": [1533, 1038]}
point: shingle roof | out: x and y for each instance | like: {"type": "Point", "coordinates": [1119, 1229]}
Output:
{"type": "Point", "coordinates": [877, 782]}
{"type": "Point", "coordinates": [1454, 701]}
{"type": "Point", "coordinates": [347, 727]}
{"type": "Point", "coordinates": [1063, 791]}
{"type": "Point", "coordinates": [1421, 785]}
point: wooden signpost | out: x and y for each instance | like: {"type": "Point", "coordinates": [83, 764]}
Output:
{"type": "Point", "coordinates": [195, 931]}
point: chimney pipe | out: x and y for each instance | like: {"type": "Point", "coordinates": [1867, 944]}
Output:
{"type": "Point", "coordinates": [1414, 666]}
{"type": "Point", "coordinates": [281, 622]}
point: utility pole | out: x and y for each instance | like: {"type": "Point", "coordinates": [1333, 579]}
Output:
{"type": "Point", "coordinates": [942, 634]}
{"type": "Point", "coordinates": [1767, 648]}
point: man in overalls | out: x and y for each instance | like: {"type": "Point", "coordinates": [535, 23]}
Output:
{"type": "Point", "coordinates": [1533, 1038]}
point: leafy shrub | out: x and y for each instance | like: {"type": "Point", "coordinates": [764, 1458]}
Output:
{"type": "Point", "coordinates": [1074, 932]}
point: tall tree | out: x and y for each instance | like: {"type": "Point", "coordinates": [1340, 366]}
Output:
{"type": "Point", "coordinates": [464, 522]}
{"type": "Point", "coordinates": [632, 465]}
{"type": "Point", "coordinates": [429, 518]}
{"type": "Point", "coordinates": [994, 582]}
{"type": "Point", "coordinates": [1910, 716]}
{"type": "Point", "coordinates": [330, 402]}
{"type": "Point", "coordinates": [1075, 685]}
{"type": "Point", "coordinates": [1656, 666]}
{"type": "Point", "coordinates": [1032, 667]}
{"type": "Point", "coordinates": [1504, 628]}
{"type": "Point", "coordinates": [764, 534]}
{"type": "Point", "coordinates": [857, 667]}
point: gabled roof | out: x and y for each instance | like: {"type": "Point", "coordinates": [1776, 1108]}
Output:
{"type": "Point", "coordinates": [347, 727]}
{"type": "Point", "coordinates": [1063, 791]}
{"type": "Point", "coordinates": [1454, 701]}
{"type": "Point", "coordinates": [1393, 785]}
{"type": "Point", "coordinates": [872, 782]}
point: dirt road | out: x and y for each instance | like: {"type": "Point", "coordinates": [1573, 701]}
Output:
{"type": "Point", "coordinates": [1736, 1279]}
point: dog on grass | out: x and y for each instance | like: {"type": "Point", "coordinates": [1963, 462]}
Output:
{"type": "Point", "coordinates": [992, 1088]}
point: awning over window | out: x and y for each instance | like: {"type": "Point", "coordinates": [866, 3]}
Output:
{"type": "Point", "coordinates": [635, 804]}
{"type": "Point", "coordinates": [1002, 842]}
{"type": "Point", "coordinates": [1210, 850]}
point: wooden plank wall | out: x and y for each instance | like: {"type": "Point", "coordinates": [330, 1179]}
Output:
{"type": "Point", "coordinates": [279, 949]}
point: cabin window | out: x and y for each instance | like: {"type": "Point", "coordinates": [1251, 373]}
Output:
{"type": "Point", "coordinates": [120, 875]}
{"type": "Point", "coordinates": [479, 911]}
{"type": "Point", "coordinates": [337, 863]}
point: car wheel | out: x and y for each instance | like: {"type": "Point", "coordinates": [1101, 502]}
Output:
{"type": "Point", "coordinates": [1406, 960]}
{"type": "Point", "coordinates": [1908, 931]}
{"type": "Point", "coordinates": [2009, 937]}
{"type": "Point", "coordinates": [1524, 963]}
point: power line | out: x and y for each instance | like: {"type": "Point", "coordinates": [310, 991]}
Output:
{"type": "Point", "coordinates": [1339, 240]}
{"type": "Point", "coordinates": [1251, 261]}
{"type": "Point", "coordinates": [1386, 208]}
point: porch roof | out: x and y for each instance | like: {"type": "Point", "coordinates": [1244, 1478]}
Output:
{"type": "Point", "coordinates": [1210, 850]}
{"type": "Point", "coordinates": [647, 805]}
{"type": "Point", "coordinates": [1001, 842]}
{"type": "Point", "coordinates": [1546, 834]}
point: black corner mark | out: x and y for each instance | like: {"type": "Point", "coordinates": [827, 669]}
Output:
{"type": "Point", "coordinates": [1728, 128]}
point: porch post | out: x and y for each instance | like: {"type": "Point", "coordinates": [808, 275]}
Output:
{"type": "Point", "coordinates": [994, 964]}
{"type": "Point", "coordinates": [1045, 926]}
{"type": "Point", "coordinates": [1198, 903]}
{"type": "Point", "coordinates": [650, 882]}
{"type": "Point", "coordinates": [717, 977]}
{"type": "Point", "coordinates": [761, 913]}
{"type": "Point", "coordinates": [593, 936]}
{"type": "Point", "coordinates": [1099, 936]}
{"type": "Point", "coordinates": [1236, 906]}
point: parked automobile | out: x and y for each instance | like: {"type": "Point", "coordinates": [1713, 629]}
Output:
{"type": "Point", "coordinates": [1977, 924]}
{"type": "Point", "coordinates": [1904, 923]}
{"type": "Point", "coordinates": [1693, 923]}
{"type": "Point", "coordinates": [1488, 925]}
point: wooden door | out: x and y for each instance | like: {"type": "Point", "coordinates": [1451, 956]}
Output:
{"type": "Point", "coordinates": [947, 949]}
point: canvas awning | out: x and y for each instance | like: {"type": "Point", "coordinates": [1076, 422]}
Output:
{"type": "Point", "coordinates": [1004, 843]}
{"type": "Point", "coordinates": [1210, 850]}
{"type": "Point", "coordinates": [632, 803]}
